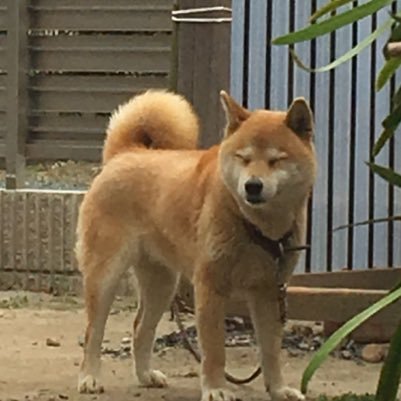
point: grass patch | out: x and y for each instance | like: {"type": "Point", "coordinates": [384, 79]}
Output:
{"type": "Point", "coordinates": [14, 302]}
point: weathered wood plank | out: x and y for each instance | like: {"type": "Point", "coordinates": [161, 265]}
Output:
{"type": "Point", "coordinates": [383, 278]}
{"type": "Point", "coordinates": [64, 150]}
{"type": "Point", "coordinates": [17, 95]}
{"type": "Point", "coordinates": [80, 59]}
{"type": "Point", "coordinates": [317, 304]}
{"type": "Point", "coordinates": [110, 17]}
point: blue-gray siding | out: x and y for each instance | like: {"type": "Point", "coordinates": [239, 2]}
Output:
{"type": "Point", "coordinates": [348, 119]}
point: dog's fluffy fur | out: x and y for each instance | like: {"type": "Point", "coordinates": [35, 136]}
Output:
{"type": "Point", "coordinates": [168, 209]}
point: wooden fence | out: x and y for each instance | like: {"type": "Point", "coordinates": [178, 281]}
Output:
{"type": "Point", "coordinates": [203, 61]}
{"type": "Point", "coordinates": [69, 64]}
{"type": "Point", "coordinates": [79, 61]}
{"type": "Point", "coordinates": [348, 120]}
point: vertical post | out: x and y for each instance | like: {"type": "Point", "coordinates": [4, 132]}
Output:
{"type": "Point", "coordinates": [17, 66]}
{"type": "Point", "coordinates": [174, 53]}
{"type": "Point", "coordinates": [203, 67]}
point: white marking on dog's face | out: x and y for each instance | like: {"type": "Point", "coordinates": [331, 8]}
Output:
{"type": "Point", "coordinates": [275, 154]}
{"type": "Point", "coordinates": [273, 168]}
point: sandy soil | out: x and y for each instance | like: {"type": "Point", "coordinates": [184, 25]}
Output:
{"type": "Point", "coordinates": [31, 370]}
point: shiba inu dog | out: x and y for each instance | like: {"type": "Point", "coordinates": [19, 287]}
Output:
{"type": "Point", "coordinates": [228, 218]}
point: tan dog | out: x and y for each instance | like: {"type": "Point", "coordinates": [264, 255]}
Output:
{"type": "Point", "coordinates": [218, 216]}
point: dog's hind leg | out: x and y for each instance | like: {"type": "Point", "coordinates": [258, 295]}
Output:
{"type": "Point", "coordinates": [157, 286]}
{"type": "Point", "coordinates": [101, 277]}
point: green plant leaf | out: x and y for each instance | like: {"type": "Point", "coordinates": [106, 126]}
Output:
{"type": "Point", "coordinates": [315, 30]}
{"type": "Point", "coordinates": [370, 221]}
{"type": "Point", "coordinates": [335, 339]}
{"type": "Point", "coordinates": [350, 53]}
{"type": "Point", "coordinates": [390, 373]}
{"type": "Point", "coordinates": [387, 71]}
{"type": "Point", "coordinates": [397, 97]}
{"type": "Point", "coordinates": [395, 33]}
{"type": "Point", "coordinates": [386, 173]}
{"type": "Point", "coordinates": [390, 124]}
{"type": "Point", "coordinates": [327, 8]}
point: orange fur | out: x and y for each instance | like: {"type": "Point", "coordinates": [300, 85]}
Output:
{"type": "Point", "coordinates": [171, 210]}
{"type": "Point", "coordinates": [155, 119]}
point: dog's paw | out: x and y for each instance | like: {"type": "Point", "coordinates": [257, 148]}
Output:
{"type": "Point", "coordinates": [218, 394]}
{"type": "Point", "coordinates": [287, 394]}
{"type": "Point", "coordinates": [89, 385]}
{"type": "Point", "coordinates": [153, 378]}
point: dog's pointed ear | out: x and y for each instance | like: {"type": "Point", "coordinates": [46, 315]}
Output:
{"type": "Point", "coordinates": [235, 114]}
{"type": "Point", "coordinates": [300, 118]}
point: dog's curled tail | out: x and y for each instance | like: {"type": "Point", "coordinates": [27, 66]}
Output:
{"type": "Point", "coordinates": [156, 119]}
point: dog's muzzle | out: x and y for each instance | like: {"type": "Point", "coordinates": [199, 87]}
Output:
{"type": "Point", "coordinates": [254, 190]}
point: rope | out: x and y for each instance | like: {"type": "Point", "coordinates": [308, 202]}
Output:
{"type": "Point", "coordinates": [176, 15]}
{"type": "Point", "coordinates": [189, 346]}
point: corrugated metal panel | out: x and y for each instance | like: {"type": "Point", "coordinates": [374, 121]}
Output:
{"type": "Point", "coordinates": [340, 151]}
{"type": "Point", "coordinates": [362, 151]}
{"type": "Point", "coordinates": [319, 244]}
{"type": "Point", "coordinates": [278, 90]}
{"type": "Point", "coordinates": [237, 50]}
{"type": "Point", "coordinates": [301, 84]}
{"type": "Point", "coordinates": [345, 126]}
{"type": "Point", "coordinates": [380, 200]}
{"type": "Point", "coordinates": [257, 54]}
{"type": "Point", "coordinates": [37, 232]}
{"type": "Point", "coordinates": [397, 192]}
{"type": "Point", "coordinates": [37, 240]}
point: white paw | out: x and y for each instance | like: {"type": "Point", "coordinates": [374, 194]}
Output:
{"type": "Point", "coordinates": [217, 394]}
{"type": "Point", "coordinates": [90, 385]}
{"type": "Point", "coordinates": [287, 394]}
{"type": "Point", "coordinates": [153, 378]}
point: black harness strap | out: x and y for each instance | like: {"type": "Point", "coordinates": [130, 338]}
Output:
{"type": "Point", "coordinates": [276, 248]}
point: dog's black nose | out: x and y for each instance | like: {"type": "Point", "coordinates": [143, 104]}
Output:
{"type": "Point", "coordinates": [253, 187]}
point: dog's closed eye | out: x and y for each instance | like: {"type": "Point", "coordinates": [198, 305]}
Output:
{"type": "Point", "coordinates": [274, 161]}
{"type": "Point", "coordinates": [243, 157]}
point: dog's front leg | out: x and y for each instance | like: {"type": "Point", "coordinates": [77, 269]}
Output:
{"type": "Point", "coordinates": [210, 309]}
{"type": "Point", "coordinates": [265, 312]}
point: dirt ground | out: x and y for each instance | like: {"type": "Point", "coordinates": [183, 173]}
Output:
{"type": "Point", "coordinates": [31, 370]}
